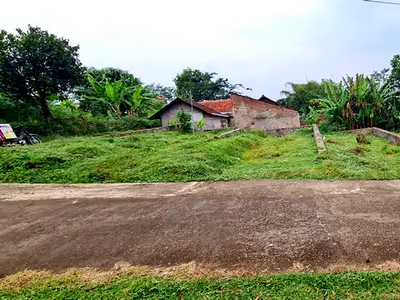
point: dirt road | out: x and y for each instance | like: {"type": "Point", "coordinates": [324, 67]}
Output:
{"type": "Point", "coordinates": [259, 225]}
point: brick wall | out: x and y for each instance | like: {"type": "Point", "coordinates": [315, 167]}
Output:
{"type": "Point", "coordinates": [248, 112]}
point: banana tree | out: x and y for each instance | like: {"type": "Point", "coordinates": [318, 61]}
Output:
{"type": "Point", "coordinates": [114, 94]}
{"type": "Point", "coordinates": [111, 93]}
{"type": "Point", "coordinates": [335, 103]}
{"type": "Point", "coordinates": [142, 102]}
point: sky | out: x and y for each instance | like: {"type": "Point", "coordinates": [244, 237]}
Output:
{"type": "Point", "coordinates": [262, 44]}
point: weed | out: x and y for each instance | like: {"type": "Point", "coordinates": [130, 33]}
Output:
{"type": "Point", "coordinates": [357, 150]}
{"type": "Point", "coordinates": [75, 285]}
{"type": "Point", "coordinates": [173, 156]}
{"type": "Point", "coordinates": [332, 142]}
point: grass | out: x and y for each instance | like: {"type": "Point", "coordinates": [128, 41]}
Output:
{"type": "Point", "coordinates": [347, 285]}
{"type": "Point", "coordinates": [173, 156]}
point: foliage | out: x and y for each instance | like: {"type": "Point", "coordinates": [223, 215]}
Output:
{"type": "Point", "coordinates": [18, 110]}
{"type": "Point", "coordinates": [172, 156]}
{"type": "Point", "coordinates": [359, 102]}
{"type": "Point", "coordinates": [122, 98]}
{"type": "Point", "coordinates": [143, 103]}
{"type": "Point", "coordinates": [301, 96]}
{"type": "Point", "coordinates": [114, 74]}
{"type": "Point", "coordinates": [68, 120]}
{"type": "Point", "coordinates": [35, 65]}
{"type": "Point", "coordinates": [197, 85]}
{"type": "Point", "coordinates": [313, 117]}
{"type": "Point", "coordinates": [166, 92]}
{"type": "Point", "coordinates": [184, 120]}
{"type": "Point", "coordinates": [395, 74]}
{"type": "Point", "coordinates": [86, 92]}
{"type": "Point", "coordinates": [381, 76]}
{"type": "Point", "coordinates": [201, 123]}
{"type": "Point", "coordinates": [353, 285]}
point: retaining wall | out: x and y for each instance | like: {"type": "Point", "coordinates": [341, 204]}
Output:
{"type": "Point", "coordinates": [392, 137]}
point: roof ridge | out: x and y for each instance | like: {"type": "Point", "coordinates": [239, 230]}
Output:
{"type": "Point", "coordinates": [219, 100]}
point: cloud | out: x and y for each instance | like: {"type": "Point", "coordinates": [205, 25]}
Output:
{"type": "Point", "coordinates": [262, 44]}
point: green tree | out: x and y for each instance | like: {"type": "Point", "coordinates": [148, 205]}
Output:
{"type": "Point", "coordinates": [358, 103]}
{"type": "Point", "coordinates": [184, 120]}
{"type": "Point", "coordinates": [114, 74]}
{"type": "Point", "coordinates": [121, 98]}
{"type": "Point", "coordinates": [199, 85]}
{"type": "Point", "coordinates": [300, 96]}
{"type": "Point", "coordinates": [395, 75]}
{"type": "Point", "coordinates": [88, 96]}
{"type": "Point", "coordinates": [143, 103]}
{"type": "Point", "coordinates": [36, 64]}
{"type": "Point", "coordinates": [166, 92]}
{"type": "Point", "coordinates": [381, 76]}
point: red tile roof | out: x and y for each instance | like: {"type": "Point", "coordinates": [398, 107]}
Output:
{"type": "Point", "coordinates": [219, 105]}
{"type": "Point", "coordinates": [203, 108]}
{"type": "Point", "coordinates": [162, 99]}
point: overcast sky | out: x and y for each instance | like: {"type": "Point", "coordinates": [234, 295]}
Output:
{"type": "Point", "coordinates": [260, 43]}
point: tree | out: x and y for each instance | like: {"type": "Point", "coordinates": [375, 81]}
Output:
{"type": "Point", "coordinates": [381, 76]}
{"type": "Point", "coordinates": [114, 74]}
{"type": "Point", "coordinates": [143, 103]}
{"type": "Point", "coordinates": [122, 98]}
{"type": "Point", "coordinates": [88, 100]}
{"type": "Point", "coordinates": [166, 92]}
{"type": "Point", "coordinates": [198, 85]}
{"type": "Point", "coordinates": [36, 64]}
{"type": "Point", "coordinates": [395, 75]}
{"type": "Point", "coordinates": [359, 102]}
{"type": "Point", "coordinates": [301, 95]}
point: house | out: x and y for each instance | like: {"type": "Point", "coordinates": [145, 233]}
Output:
{"type": "Point", "coordinates": [212, 119]}
{"type": "Point", "coordinates": [237, 111]}
{"type": "Point", "coordinates": [263, 113]}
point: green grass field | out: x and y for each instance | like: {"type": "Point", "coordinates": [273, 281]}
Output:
{"type": "Point", "coordinates": [174, 156]}
{"type": "Point", "coordinates": [348, 285]}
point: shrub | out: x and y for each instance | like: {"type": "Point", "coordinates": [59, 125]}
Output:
{"type": "Point", "coordinates": [84, 125]}
{"type": "Point", "coordinates": [184, 120]}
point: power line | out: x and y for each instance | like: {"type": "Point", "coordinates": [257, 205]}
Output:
{"type": "Point", "coordinates": [382, 2]}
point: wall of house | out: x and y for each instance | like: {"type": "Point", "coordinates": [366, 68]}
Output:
{"type": "Point", "coordinates": [255, 114]}
{"type": "Point", "coordinates": [170, 114]}
{"type": "Point", "coordinates": [214, 122]}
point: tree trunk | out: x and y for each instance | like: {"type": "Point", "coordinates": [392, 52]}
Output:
{"type": "Point", "coordinates": [45, 108]}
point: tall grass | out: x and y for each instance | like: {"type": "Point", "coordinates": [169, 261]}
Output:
{"type": "Point", "coordinates": [174, 156]}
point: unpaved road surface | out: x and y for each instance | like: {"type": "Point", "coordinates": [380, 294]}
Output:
{"type": "Point", "coordinates": [259, 225]}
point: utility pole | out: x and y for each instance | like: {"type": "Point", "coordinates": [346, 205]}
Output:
{"type": "Point", "coordinates": [191, 110]}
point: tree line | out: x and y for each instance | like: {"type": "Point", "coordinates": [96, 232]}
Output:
{"type": "Point", "coordinates": [353, 102]}
{"type": "Point", "coordinates": [43, 79]}
{"type": "Point", "coordinates": [41, 74]}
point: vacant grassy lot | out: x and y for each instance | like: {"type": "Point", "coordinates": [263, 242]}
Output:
{"type": "Point", "coordinates": [174, 156]}
{"type": "Point", "coordinates": [350, 285]}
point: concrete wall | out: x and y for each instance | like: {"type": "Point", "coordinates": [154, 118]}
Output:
{"type": "Point", "coordinates": [170, 114]}
{"type": "Point", "coordinates": [392, 137]}
{"type": "Point", "coordinates": [282, 131]}
{"type": "Point", "coordinates": [212, 122]}
{"type": "Point", "coordinates": [248, 112]}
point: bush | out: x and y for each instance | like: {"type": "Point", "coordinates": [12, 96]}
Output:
{"type": "Point", "coordinates": [15, 110]}
{"type": "Point", "coordinates": [184, 120]}
{"type": "Point", "coordinates": [84, 125]}
{"type": "Point", "coordinates": [68, 120]}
